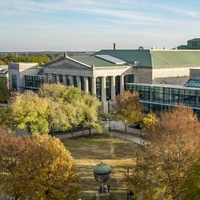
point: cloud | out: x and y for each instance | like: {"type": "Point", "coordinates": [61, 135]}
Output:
{"type": "Point", "coordinates": [103, 19]}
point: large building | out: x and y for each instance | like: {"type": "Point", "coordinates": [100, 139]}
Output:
{"type": "Point", "coordinates": [191, 44]}
{"type": "Point", "coordinates": [159, 97]}
{"type": "Point", "coordinates": [104, 76]}
{"type": "Point", "coordinates": [159, 66]}
{"type": "Point", "coordinates": [106, 73]}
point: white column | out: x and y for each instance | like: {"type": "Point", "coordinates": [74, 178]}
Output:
{"type": "Point", "coordinates": [121, 84]}
{"type": "Point", "coordinates": [78, 78]}
{"type": "Point", "coordinates": [103, 89]}
{"type": "Point", "coordinates": [45, 78]}
{"type": "Point", "coordinates": [86, 84]}
{"type": "Point", "coordinates": [113, 88]}
{"type": "Point", "coordinates": [72, 80]}
{"type": "Point", "coordinates": [51, 78]}
{"type": "Point", "coordinates": [64, 80]}
{"type": "Point", "coordinates": [94, 87]}
{"type": "Point", "coordinates": [57, 78]}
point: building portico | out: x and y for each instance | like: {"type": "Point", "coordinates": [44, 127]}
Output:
{"type": "Point", "coordinates": [103, 78]}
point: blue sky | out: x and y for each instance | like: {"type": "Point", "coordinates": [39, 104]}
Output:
{"type": "Point", "coordinates": [92, 25]}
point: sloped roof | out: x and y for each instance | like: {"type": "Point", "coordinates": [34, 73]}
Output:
{"type": "Point", "coordinates": [93, 60]}
{"type": "Point", "coordinates": [195, 39]}
{"type": "Point", "coordinates": [143, 57]}
{"type": "Point", "coordinates": [157, 58]}
{"type": "Point", "coordinates": [175, 58]}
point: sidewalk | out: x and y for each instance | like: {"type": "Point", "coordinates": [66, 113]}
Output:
{"type": "Point", "coordinates": [111, 128]}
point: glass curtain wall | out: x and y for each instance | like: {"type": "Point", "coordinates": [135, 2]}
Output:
{"type": "Point", "coordinates": [14, 82]}
{"type": "Point", "coordinates": [157, 98]}
{"type": "Point", "coordinates": [33, 81]}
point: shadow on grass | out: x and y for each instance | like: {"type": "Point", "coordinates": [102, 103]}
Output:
{"type": "Point", "coordinates": [91, 150]}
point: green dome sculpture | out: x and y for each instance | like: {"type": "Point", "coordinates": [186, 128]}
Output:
{"type": "Point", "coordinates": [102, 172]}
{"type": "Point", "coordinates": [102, 169]}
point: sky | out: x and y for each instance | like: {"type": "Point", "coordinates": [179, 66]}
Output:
{"type": "Point", "coordinates": [92, 25]}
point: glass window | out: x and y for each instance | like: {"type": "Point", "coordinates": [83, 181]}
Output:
{"type": "Point", "coordinates": [82, 83]}
{"type": "Point", "coordinates": [14, 82]}
{"type": "Point", "coordinates": [117, 84]}
{"type": "Point", "coordinates": [61, 78]}
{"type": "Point", "coordinates": [108, 88]}
{"type": "Point", "coordinates": [98, 87]}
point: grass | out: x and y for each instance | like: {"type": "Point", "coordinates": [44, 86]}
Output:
{"type": "Point", "coordinates": [90, 150]}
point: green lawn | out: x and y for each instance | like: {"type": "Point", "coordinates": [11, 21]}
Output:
{"type": "Point", "coordinates": [88, 151]}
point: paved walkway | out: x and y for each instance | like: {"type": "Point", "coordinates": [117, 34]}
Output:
{"type": "Point", "coordinates": [111, 128]}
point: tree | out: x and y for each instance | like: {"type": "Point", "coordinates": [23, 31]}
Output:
{"type": "Point", "coordinates": [40, 59]}
{"type": "Point", "coordinates": [82, 106]}
{"type": "Point", "coordinates": [127, 108]}
{"type": "Point", "coordinates": [172, 147]}
{"type": "Point", "coordinates": [59, 116]}
{"type": "Point", "coordinates": [37, 167]}
{"type": "Point", "coordinates": [2, 63]}
{"type": "Point", "coordinates": [2, 125]}
{"type": "Point", "coordinates": [11, 148]}
{"type": "Point", "coordinates": [27, 112]}
{"type": "Point", "coordinates": [192, 183]}
{"type": "Point", "coordinates": [4, 94]}
{"type": "Point", "coordinates": [90, 112]}
{"type": "Point", "coordinates": [148, 121]}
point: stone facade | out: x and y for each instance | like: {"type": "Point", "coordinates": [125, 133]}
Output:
{"type": "Point", "coordinates": [67, 70]}
{"type": "Point", "coordinates": [17, 71]}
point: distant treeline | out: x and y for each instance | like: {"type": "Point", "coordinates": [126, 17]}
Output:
{"type": "Point", "coordinates": [36, 57]}
{"type": "Point", "coordinates": [39, 58]}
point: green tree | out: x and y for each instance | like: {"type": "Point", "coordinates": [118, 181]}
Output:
{"type": "Point", "coordinates": [27, 112]}
{"type": "Point", "coordinates": [163, 164]}
{"type": "Point", "coordinates": [127, 108]}
{"type": "Point", "coordinates": [192, 183]}
{"type": "Point", "coordinates": [90, 107]}
{"type": "Point", "coordinates": [83, 107]}
{"type": "Point", "coordinates": [40, 59]}
{"type": "Point", "coordinates": [59, 116]}
{"type": "Point", "coordinates": [37, 167]}
{"type": "Point", "coordinates": [4, 94]}
{"type": "Point", "coordinates": [2, 63]}
{"type": "Point", "coordinates": [148, 121]}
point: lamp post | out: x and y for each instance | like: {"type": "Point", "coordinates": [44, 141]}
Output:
{"type": "Point", "coordinates": [140, 127]}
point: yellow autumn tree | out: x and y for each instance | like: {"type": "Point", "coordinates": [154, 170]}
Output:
{"type": "Point", "coordinates": [11, 148]}
{"type": "Point", "coordinates": [37, 167]}
{"type": "Point", "coordinates": [46, 171]}
{"type": "Point", "coordinates": [127, 108]}
{"type": "Point", "coordinates": [164, 163]}
{"type": "Point", "coordinates": [148, 121]}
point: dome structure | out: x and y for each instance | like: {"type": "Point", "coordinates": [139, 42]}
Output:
{"type": "Point", "coordinates": [102, 172]}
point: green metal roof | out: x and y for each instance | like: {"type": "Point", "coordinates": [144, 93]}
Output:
{"type": "Point", "coordinates": [92, 60]}
{"type": "Point", "coordinates": [157, 58]}
{"type": "Point", "coordinates": [176, 58]}
{"type": "Point", "coordinates": [195, 39]}
{"type": "Point", "coordinates": [142, 56]}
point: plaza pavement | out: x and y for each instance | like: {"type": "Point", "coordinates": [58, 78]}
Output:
{"type": "Point", "coordinates": [112, 128]}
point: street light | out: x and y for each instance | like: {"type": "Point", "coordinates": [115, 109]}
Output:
{"type": "Point", "coordinates": [140, 127]}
